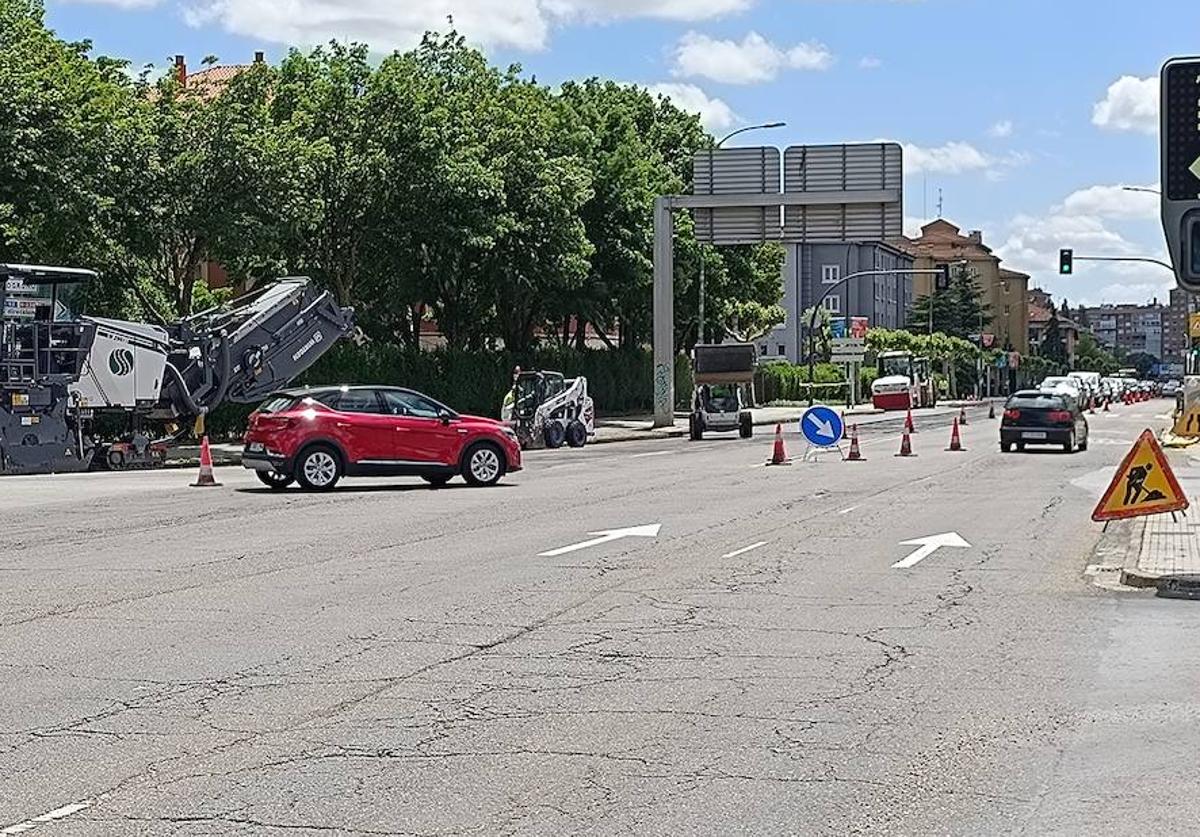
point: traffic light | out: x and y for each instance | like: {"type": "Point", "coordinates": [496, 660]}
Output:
{"type": "Point", "coordinates": [942, 280]}
{"type": "Point", "coordinates": [1066, 262]}
{"type": "Point", "coordinates": [1179, 137]}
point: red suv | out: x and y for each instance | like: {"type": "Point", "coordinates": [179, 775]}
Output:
{"type": "Point", "coordinates": [316, 436]}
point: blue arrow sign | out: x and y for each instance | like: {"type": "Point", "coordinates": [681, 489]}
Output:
{"type": "Point", "coordinates": [822, 427]}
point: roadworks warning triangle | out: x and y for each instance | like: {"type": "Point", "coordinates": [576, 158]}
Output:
{"type": "Point", "coordinates": [1144, 484]}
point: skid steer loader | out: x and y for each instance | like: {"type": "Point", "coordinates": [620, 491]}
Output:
{"type": "Point", "coordinates": [723, 395]}
{"type": "Point", "coordinates": [546, 410]}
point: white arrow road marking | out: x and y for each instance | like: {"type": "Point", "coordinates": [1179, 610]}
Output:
{"type": "Point", "coordinates": [1194, 168]}
{"type": "Point", "coordinates": [49, 816]}
{"type": "Point", "coordinates": [928, 546]}
{"type": "Point", "coordinates": [744, 550]}
{"type": "Point", "coordinates": [652, 453]}
{"type": "Point", "coordinates": [824, 428]}
{"type": "Point", "coordinates": [648, 531]}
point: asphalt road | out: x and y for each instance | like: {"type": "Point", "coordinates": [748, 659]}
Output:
{"type": "Point", "coordinates": [391, 659]}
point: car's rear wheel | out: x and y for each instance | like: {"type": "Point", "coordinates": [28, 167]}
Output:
{"type": "Point", "coordinates": [1006, 447]}
{"type": "Point", "coordinates": [576, 434]}
{"type": "Point", "coordinates": [483, 464]}
{"type": "Point", "coordinates": [318, 468]}
{"type": "Point", "coordinates": [274, 480]}
{"type": "Point", "coordinates": [555, 434]}
{"type": "Point", "coordinates": [1069, 445]}
{"type": "Point", "coordinates": [436, 480]}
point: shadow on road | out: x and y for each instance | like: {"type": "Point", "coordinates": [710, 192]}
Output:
{"type": "Point", "coordinates": [369, 489]}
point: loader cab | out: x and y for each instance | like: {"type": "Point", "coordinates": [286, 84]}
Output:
{"type": "Point", "coordinates": [533, 389]}
{"type": "Point", "coordinates": [41, 337]}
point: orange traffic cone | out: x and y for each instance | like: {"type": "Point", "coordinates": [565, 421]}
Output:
{"type": "Point", "coordinates": [855, 453]}
{"type": "Point", "coordinates": [955, 439]}
{"type": "Point", "coordinates": [1092, 408]}
{"type": "Point", "coordinates": [962, 416]}
{"type": "Point", "coordinates": [1106, 405]}
{"type": "Point", "coordinates": [909, 427]}
{"type": "Point", "coordinates": [779, 454]}
{"type": "Point", "coordinates": [206, 479]}
{"type": "Point", "coordinates": [905, 445]}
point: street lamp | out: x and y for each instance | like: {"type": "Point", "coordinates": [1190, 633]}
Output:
{"type": "Point", "coordinates": [1141, 189]}
{"type": "Point", "coordinates": [722, 141]}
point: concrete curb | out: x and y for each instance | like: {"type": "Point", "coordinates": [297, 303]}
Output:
{"type": "Point", "coordinates": [1131, 575]}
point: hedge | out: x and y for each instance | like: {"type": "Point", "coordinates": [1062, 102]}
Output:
{"type": "Point", "coordinates": [620, 382]}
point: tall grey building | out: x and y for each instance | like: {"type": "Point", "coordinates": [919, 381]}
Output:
{"type": "Point", "coordinates": [810, 270]}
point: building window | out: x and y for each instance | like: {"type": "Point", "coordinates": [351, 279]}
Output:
{"type": "Point", "coordinates": [781, 350]}
{"type": "Point", "coordinates": [833, 303]}
{"type": "Point", "coordinates": [831, 274]}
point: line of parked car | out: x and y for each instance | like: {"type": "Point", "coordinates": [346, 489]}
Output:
{"type": "Point", "coordinates": [1056, 412]}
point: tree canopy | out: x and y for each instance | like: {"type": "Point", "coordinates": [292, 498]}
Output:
{"type": "Point", "coordinates": [429, 184]}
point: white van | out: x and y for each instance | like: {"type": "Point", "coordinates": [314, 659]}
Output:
{"type": "Point", "coordinates": [1089, 383]}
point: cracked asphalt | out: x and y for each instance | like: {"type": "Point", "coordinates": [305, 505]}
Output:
{"type": "Point", "coordinates": [391, 659]}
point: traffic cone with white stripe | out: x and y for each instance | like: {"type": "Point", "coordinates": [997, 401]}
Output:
{"type": "Point", "coordinates": [909, 427]}
{"type": "Point", "coordinates": [855, 453]}
{"type": "Point", "coordinates": [779, 453]}
{"type": "Point", "coordinates": [207, 478]}
{"type": "Point", "coordinates": [906, 445]}
{"type": "Point", "coordinates": [955, 439]}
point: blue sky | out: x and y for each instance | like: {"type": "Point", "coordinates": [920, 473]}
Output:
{"type": "Point", "coordinates": [1029, 116]}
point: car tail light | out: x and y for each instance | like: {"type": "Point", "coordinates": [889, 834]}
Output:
{"type": "Point", "coordinates": [274, 423]}
{"type": "Point", "coordinates": [1012, 415]}
{"type": "Point", "coordinates": [1062, 416]}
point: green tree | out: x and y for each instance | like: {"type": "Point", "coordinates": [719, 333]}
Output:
{"type": "Point", "coordinates": [1143, 362]}
{"type": "Point", "coordinates": [1090, 356]}
{"type": "Point", "coordinates": [1053, 347]}
{"type": "Point", "coordinates": [64, 123]}
{"type": "Point", "coordinates": [957, 310]}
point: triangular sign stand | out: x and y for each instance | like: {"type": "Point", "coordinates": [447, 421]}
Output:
{"type": "Point", "coordinates": [1144, 484]}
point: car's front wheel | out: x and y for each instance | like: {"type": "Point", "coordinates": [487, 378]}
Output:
{"type": "Point", "coordinates": [274, 480]}
{"type": "Point", "coordinates": [318, 469]}
{"type": "Point", "coordinates": [483, 464]}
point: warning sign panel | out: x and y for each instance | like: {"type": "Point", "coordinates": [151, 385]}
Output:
{"type": "Point", "coordinates": [1144, 484]}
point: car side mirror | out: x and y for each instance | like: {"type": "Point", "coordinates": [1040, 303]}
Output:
{"type": "Point", "coordinates": [444, 416]}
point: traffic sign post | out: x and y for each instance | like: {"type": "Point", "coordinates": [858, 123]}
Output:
{"type": "Point", "coordinates": [822, 428]}
{"type": "Point", "coordinates": [1180, 138]}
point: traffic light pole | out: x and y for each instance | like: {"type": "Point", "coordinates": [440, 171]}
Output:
{"type": "Point", "coordinates": [1124, 259]}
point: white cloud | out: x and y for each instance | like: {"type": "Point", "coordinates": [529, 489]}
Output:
{"type": "Point", "coordinates": [715, 115]}
{"type": "Point", "coordinates": [754, 59]}
{"type": "Point", "coordinates": [870, 62]}
{"type": "Point", "coordinates": [122, 4]}
{"type": "Point", "coordinates": [1001, 129]}
{"type": "Point", "coordinates": [1131, 104]}
{"type": "Point", "coordinates": [388, 24]}
{"type": "Point", "coordinates": [1112, 202]}
{"type": "Point", "coordinates": [951, 158]}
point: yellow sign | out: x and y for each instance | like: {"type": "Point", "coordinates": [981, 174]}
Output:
{"type": "Point", "coordinates": [1194, 325]}
{"type": "Point", "coordinates": [1144, 484]}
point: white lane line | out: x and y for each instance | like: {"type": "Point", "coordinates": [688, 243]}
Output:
{"type": "Point", "coordinates": [49, 816]}
{"type": "Point", "coordinates": [847, 511]}
{"type": "Point", "coordinates": [744, 550]}
{"type": "Point", "coordinates": [655, 453]}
